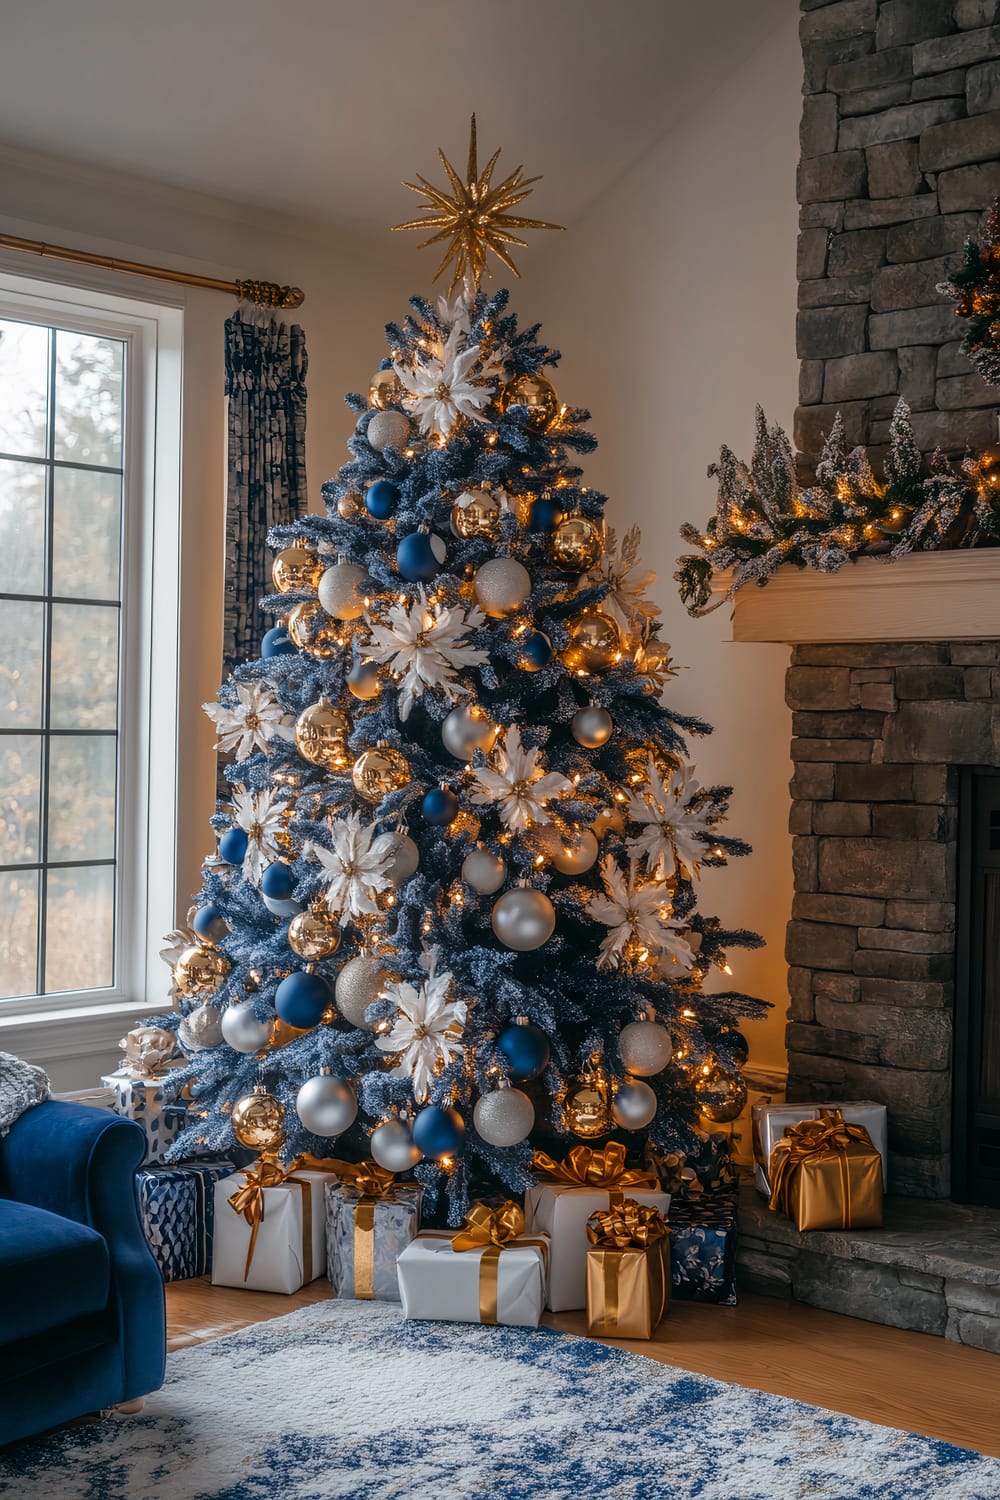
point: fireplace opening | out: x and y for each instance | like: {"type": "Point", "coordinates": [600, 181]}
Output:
{"type": "Point", "coordinates": [976, 1083]}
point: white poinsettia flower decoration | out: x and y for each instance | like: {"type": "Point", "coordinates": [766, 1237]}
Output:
{"type": "Point", "coordinates": [454, 312]}
{"type": "Point", "coordinates": [518, 783]}
{"type": "Point", "coordinates": [358, 866]}
{"type": "Point", "coordinates": [426, 1031]}
{"type": "Point", "coordinates": [636, 909]}
{"type": "Point", "coordinates": [670, 827]}
{"type": "Point", "coordinates": [262, 816]}
{"type": "Point", "coordinates": [441, 390]}
{"type": "Point", "coordinates": [252, 722]}
{"type": "Point", "coordinates": [620, 567]}
{"type": "Point", "coordinates": [425, 646]}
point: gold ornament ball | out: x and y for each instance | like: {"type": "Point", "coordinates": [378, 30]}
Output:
{"type": "Point", "coordinates": [587, 1112]}
{"type": "Point", "coordinates": [258, 1120]}
{"type": "Point", "coordinates": [313, 935]}
{"type": "Point", "coordinates": [349, 506]}
{"type": "Point", "coordinates": [478, 517]}
{"type": "Point", "coordinates": [295, 568]}
{"type": "Point", "coordinates": [321, 736]}
{"type": "Point", "coordinates": [575, 545]}
{"type": "Point", "coordinates": [311, 629]}
{"type": "Point", "coordinates": [595, 642]}
{"type": "Point", "coordinates": [385, 390]}
{"type": "Point", "coordinates": [534, 392]}
{"type": "Point", "coordinates": [200, 971]}
{"type": "Point", "coordinates": [608, 820]}
{"type": "Point", "coordinates": [379, 771]}
{"type": "Point", "coordinates": [730, 1091]}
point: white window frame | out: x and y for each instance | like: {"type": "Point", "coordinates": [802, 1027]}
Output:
{"type": "Point", "coordinates": [54, 1025]}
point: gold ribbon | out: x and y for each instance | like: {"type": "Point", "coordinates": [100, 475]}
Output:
{"type": "Point", "coordinates": [249, 1202]}
{"type": "Point", "coordinates": [604, 1170]}
{"type": "Point", "coordinates": [809, 1140]}
{"type": "Point", "coordinates": [492, 1230]}
{"type": "Point", "coordinates": [632, 1226]}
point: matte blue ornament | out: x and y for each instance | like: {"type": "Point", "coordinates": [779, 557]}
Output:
{"type": "Point", "coordinates": [419, 556]}
{"type": "Point", "coordinates": [277, 642]}
{"type": "Point", "coordinates": [301, 999]}
{"type": "Point", "coordinates": [440, 805]}
{"type": "Point", "coordinates": [525, 1048]}
{"type": "Point", "coordinates": [209, 923]}
{"type": "Point", "coordinates": [233, 846]}
{"type": "Point", "coordinates": [277, 881]}
{"type": "Point", "coordinates": [438, 1132]}
{"type": "Point", "coordinates": [381, 499]}
{"type": "Point", "coordinates": [536, 651]}
{"type": "Point", "coordinates": [544, 514]}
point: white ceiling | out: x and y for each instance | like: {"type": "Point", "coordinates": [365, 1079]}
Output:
{"type": "Point", "coordinates": [318, 107]}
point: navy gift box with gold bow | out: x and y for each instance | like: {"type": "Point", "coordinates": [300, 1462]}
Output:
{"type": "Point", "coordinates": [703, 1247]}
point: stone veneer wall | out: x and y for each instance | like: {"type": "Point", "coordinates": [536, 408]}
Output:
{"type": "Point", "coordinates": [900, 143]}
{"type": "Point", "coordinates": [879, 734]}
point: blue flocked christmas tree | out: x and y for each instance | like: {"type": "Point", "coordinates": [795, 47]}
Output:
{"type": "Point", "coordinates": [453, 912]}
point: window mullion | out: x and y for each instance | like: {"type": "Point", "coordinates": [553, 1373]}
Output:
{"type": "Point", "coordinates": [43, 828]}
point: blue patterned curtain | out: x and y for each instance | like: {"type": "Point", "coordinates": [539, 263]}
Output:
{"type": "Point", "coordinates": [265, 385]}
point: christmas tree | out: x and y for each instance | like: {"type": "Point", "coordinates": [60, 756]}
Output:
{"type": "Point", "coordinates": [454, 907]}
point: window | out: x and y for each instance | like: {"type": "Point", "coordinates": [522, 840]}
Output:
{"type": "Point", "coordinates": [78, 482]}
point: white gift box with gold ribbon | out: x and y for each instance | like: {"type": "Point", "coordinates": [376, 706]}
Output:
{"type": "Point", "coordinates": [289, 1248]}
{"type": "Point", "coordinates": [490, 1284]}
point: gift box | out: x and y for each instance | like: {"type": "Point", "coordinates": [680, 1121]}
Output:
{"type": "Point", "coordinates": [177, 1209]}
{"type": "Point", "coordinates": [141, 1099]}
{"type": "Point", "coordinates": [827, 1174]}
{"type": "Point", "coordinates": [370, 1219]}
{"type": "Point", "coordinates": [270, 1228]}
{"type": "Point", "coordinates": [586, 1182]}
{"type": "Point", "coordinates": [703, 1247]}
{"type": "Point", "coordinates": [770, 1121]}
{"type": "Point", "coordinates": [628, 1271]}
{"type": "Point", "coordinates": [490, 1272]}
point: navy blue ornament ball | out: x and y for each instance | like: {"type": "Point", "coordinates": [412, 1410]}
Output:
{"type": "Point", "coordinates": [277, 642]}
{"type": "Point", "coordinates": [438, 1132]}
{"type": "Point", "coordinates": [301, 999]}
{"type": "Point", "coordinates": [381, 499]}
{"type": "Point", "coordinates": [419, 556]}
{"type": "Point", "coordinates": [440, 806]}
{"type": "Point", "coordinates": [536, 651]}
{"type": "Point", "coordinates": [277, 882]}
{"type": "Point", "coordinates": [233, 846]}
{"type": "Point", "coordinates": [544, 514]}
{"type": "Point", "coordinates": [526, 1050]}
{"type": "Point", "coordinates": [209, 923]}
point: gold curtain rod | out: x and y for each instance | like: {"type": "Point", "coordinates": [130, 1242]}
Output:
{"type": "Point", "coordinates": [264, 293]}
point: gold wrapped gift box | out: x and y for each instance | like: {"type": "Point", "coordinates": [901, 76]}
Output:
{"type": "Point", "coordinates": [826, 1174]}
{"type": "Point", "coordinates": [628, 1271]}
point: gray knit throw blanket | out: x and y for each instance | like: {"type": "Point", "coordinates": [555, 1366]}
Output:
{"type": "Point", "coordinates": [21, 1087]}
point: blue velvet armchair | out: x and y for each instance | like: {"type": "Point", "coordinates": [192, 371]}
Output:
{"type": "Point", "coordinates": [82, 1322]}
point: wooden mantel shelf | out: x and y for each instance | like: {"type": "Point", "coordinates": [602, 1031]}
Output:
{"type": "Point", "coordinates": [927, 596]}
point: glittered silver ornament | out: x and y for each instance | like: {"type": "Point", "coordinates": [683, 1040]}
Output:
{"type": "Point", "coordinates": [634, 1105]}
{"type": "Point", "coordinates": [405, 859]}
{"type": "Point", "coordinates": [326, 1105]}
{"type": "Point", "coordinates": [645, 1047]}
{"type": "Point", "coordinates": [592, 726]}
{"type": "Point", "coordinates": [389, 429]}
{"type": "Point", "coordinates": [363, 680]}
{"type": "Point", "coordinates": [466, 729]}
{"type": "Point", "coordinates": [392, 1147]}
{"type": "Point", "coordinates": [360, 982]}
{"type": "Point", "coordinates": [242, 1030]}
{"type": "Point", "coordinates": [504, 1117]}
{"type": "Point", "coordinates": [342, 591]}
{"type": "Point", "coordinates": [523, 919]}
{"type": "Point", "coordinates": [501, 587]}
{"type": "Point", "coordinates": [483, 871]}
{"type": "Point", "coordinates": [201, 1029]}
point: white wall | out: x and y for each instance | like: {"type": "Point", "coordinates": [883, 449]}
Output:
{"type": "Point", "coordinates": [674, 301]}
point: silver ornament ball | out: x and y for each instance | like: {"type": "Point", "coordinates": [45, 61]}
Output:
{"type": "Point", "coordinates": [576, 855]}
{"type": "Point", "coordinates": [392, 1147]}
{"type": "Point", "coordinates": [592, 726]}
{"type": "Point", "coordinates": [342, 591]}
{"type": "Point", "coordinates": [645, 1047]}
{"type": "Point", "coordinates": [201, 1029]}
{"type": "Point", "coordinates": [363, 681]}
{"type": "Point", "coordinates": [289, 908]}
{"type": "Point", "coordinates": [483, 871]}
{"type": "Point", "coordinates": [467, 729]}
{"type": "Point", "coordinates": [388, 429]}
{"type": "Point", "coordinates": [634, 1105]}
{"type": "Point", "coordinates": [524, 919]}
{"type": "Point", "coordinates": [504, 1117]}
{"type": "Point", "coordinates": [501, 587]}
{"type": "Point", "coordinates": [359, 983]}
{"type": "Point", "coordinates": [242, 1030]}
{"type": "Point", "coordinates": [404, 860]}
{"type": "Point", "coordinates": [326, 1105]}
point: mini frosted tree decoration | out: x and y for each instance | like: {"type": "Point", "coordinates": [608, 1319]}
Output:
{"type": "Point", "coordinates": [455, 898]}
{"type": "Point", "coordinates": [975, 290]}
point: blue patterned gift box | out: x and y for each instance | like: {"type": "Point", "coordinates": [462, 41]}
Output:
{"type": "Point", "coordinates": [703, 1247]}
{"type": "Point", "coordinates": [141, 1099]}
{"type": "Point", "coordinates": [176, 1206]}
{"type": "Point", "coordinates": [361, 1260]}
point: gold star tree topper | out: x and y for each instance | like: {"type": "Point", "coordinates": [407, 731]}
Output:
{"type": "Point", "coordinates": [475, 218]}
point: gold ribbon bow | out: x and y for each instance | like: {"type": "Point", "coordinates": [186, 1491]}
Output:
{"type": "Point", "coordinates": [587, 1168]}
{"type": "Point", "coordinates": [366, 1177]}
{"type": "Point", "coordinates": [632, 1226]}
{"type": "Point", "coordinates": [807, 1140]}
{"type": "Point", "coordinates": [492, 1230]}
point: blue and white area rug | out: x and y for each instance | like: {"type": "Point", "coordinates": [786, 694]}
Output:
{"type": "Point", "coordinates": [345, 1399]}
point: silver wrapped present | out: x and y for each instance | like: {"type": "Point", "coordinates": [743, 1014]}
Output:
{"type": "Point", "coordinates": [364, 1236]}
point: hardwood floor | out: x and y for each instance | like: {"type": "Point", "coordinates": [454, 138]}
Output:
{"type": "Point", "coordinates": [886, 1375]}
